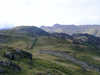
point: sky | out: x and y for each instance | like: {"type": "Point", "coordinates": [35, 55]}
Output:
{"type": "Point", "coordinates": [49, 12]}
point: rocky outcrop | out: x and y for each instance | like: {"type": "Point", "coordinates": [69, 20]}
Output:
{"type": "Point", "coordinates": [18, 54]}
{"type": "Point", "coordinates": [2, 70]}
{"type": "Point", "coordinates": [61, 35]}
{"type": "Point", "coordinates": [85, 38]}
{"type": "Point", "coordinates": [9, 64]}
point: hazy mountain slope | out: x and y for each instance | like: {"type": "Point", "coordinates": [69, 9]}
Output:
{"type": "Point", "coordinates": [72, 29]}
{"type": "Point", "coordinates": [25, 30]}
{"type": "Point", "coordinates": [35, 55]}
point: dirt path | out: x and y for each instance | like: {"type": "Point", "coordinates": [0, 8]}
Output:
{"type": "Point", "coordinates": [34, 43]}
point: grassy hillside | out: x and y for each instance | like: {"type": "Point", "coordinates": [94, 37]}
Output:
{"type": "Point", "coordinates": [31, 31]}
{"type": "Point", "coordinates": [54, 54]}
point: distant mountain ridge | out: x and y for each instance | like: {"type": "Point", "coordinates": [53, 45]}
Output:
{"type": "Point", "coordinates": [29, 50]}
{"type": "Point", "coordinates": [25, 30]}
{"type": "Point", "coordinates": [73, 29]}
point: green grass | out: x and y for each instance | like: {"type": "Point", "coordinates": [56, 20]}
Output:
{"type": "Point", "coordinates": [49, 64]}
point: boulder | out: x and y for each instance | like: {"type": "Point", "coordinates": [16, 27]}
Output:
{"type": "Point", "coordinates": [2, 70]}
{"type": "Point", "coordinates": [18, 54]}
{"type": "Point", "coordinates": [10, 65]}
{"type": "Point", "coordinates": [10, 55]}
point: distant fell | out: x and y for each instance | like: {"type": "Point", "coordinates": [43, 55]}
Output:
{"type": "Point", "coordinates": [73, 29]}
{"type": "Point", "coordinates": [25, 30]}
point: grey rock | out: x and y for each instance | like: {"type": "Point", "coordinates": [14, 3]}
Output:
{"type": "Point", "coordinates": [2, 70]}
{"type": "Point", "coordinates": [11, 65]}
{"type": "Point", "coordinates": [18, 54]}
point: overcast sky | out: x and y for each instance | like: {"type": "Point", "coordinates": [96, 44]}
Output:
{"type": "Point", "coordinates": [49, 12]}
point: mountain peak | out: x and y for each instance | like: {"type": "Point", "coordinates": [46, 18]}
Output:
{"type": "Point", "coordinates": [57, 25]}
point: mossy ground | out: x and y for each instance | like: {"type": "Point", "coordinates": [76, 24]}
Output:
{"type": "Point", "coordinates": [43, 64]}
